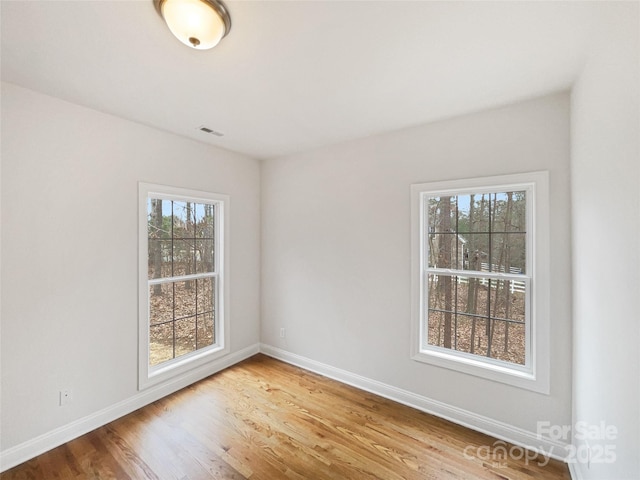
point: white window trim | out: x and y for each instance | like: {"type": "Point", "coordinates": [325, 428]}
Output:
{"type": "Point", "coordinates": [535, 375]}
{"type": "Point", "coordinates": [149, 376]}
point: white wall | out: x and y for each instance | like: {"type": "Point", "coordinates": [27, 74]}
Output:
{"type": "Point", "coordinates": [336, 251]}
{"type": "Point", "coordinates": [606, 228]}
{"type": "Point", "coordinates": [69, 253]}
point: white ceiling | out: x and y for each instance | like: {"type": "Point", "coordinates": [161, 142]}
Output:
{"type": "Point", "coordinates": [295, 75]}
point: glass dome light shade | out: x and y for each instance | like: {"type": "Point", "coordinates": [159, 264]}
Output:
{"type": "Point", "coordinates": [199, 24]}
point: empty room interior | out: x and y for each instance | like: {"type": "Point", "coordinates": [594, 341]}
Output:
{"type": "Point", "coordinates": [327, 239]}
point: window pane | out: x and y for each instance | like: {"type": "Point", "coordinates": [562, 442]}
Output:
{"type": "Point", "coordinates": [175, 306]}
{"type": "Point", "coordinates": [508, 300]}
{"type": "Point", "coordinates": [458, 294]}
{"type": "Point", "coordinates": [463, 203]}
{"type": "Point", "coordinates": [159, 238]}
{"type": "Point", "coordinates": [473, 213]}
{"type": "Point", "coordinates": [158, 218]}
{"type": "Point", "coordinates": [185, 299]}
{"type": "Point", "coordinates": [475, 251]}
{"type": "Point", "coordinates": [442, 214]}
{"type": "Point", "coordinates": [508, 211]}
{"type": "Point", "coordinates": [205, 294]}
{"type": "Point", "coordinates": [181, 238]}
{"type": "Point", "coordinates": [445, 251]}
{"type": "Point", "coordinates": [471, 334]}
{"type": "Point", "coordinates": [185, 336]}
{"type": "Point", "coordinates": [509, 342]}
{"type": "Point", "coordinates": [160, 303]}
{"type": "Point", "coordinates": [204, 256]}
{"type": "Point", "coordinates": [468, 230]}
{"type": "Point", "coordinates": [206, 331]}
{"type": "Point", "coordinates": [508, 253]}
{"type": "Point", "coordinates": [480, 316]}
{"type": "Point", "coordinates": [183, 220]}
{"type": "Point", "coordinates": [159, 258]}
{"type": "Point", "coordinates": [183, 257]}
{"type": "Point", "coordinates": [435, 324]}
{"type": "Point", "coordinates": [160, 343]}
{"type": "Point", "coordinates": [473, 295]}
{"type": "Point", "coordinates": [204, 220]}
{"type": "Point", "coordinates": [443, 292]}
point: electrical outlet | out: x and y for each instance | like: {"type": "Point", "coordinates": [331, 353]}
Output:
{"type": "Point", "coordinates": [65, 397]}
{"type": "Point", "coordinates": [283, 333]}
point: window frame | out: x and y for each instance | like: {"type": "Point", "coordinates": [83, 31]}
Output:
{"type": "Point", "coordinates": [534, 375]}
{"type": "Point", "coordinates": [153, 375]}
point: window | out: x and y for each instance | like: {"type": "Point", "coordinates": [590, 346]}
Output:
{"type": "Point", "coordinates": [480, 277]}
{"type": "Point", "coordinates": [182, 317]}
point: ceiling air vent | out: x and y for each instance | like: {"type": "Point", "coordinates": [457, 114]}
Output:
{"type": "Point", "coordinates": [204, 129]}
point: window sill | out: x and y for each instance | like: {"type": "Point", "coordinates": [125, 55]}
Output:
{"type": "Point", "coordinates": [180, 366]}
{"type": "Point", "coordinates": [496, 371]}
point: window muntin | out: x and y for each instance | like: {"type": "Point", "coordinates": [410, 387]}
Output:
{"type": "Point", "coordinates": [183, 313]}
{"type": "Point", "coordinates": [523, 270]}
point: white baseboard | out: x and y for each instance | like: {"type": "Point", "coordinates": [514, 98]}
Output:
{"type": "Point", "coordinates": [494, 428]}
{"type": "Point", "coordinates": [43, 443]}
{"type": "Point", "coordinates": [574, 471]}
{"type": "Point", "coordinates": [21, 453]}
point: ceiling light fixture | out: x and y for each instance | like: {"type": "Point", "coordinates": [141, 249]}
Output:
{"type": "Point", "coordinates": [200, 24]}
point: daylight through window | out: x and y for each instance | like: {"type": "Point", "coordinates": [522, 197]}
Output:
{"type": "Point", "coordinates": [477, 278]}
{"type": "Point", "coordinates": [480, 254]}
{"type": "Point", "coordinates": [182, 319]}
{"type": "Point", "coordinates": [182, 278]}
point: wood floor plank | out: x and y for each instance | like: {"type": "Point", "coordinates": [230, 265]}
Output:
{"type": "Point", "coordinates": [191, 457]}
{"type": "Point", "coordinates": [266, 420]}
{"type": "Point", "coordinates": [159, 449]}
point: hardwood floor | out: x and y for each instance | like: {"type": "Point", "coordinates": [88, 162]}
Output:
{"type": "Point", "coordinates": [264, 419]}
